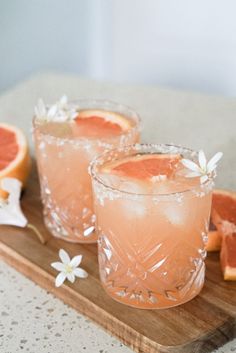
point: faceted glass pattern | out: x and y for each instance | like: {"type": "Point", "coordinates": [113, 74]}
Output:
{"type": "Point", "coordinates": [63, 162]}
{"type": "Point", "coordinates": [151, 247]}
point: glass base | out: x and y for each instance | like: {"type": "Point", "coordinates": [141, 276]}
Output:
{"type": "Point", "coordinates": [71, 237]}
{"type": "Point", "coordinates": [152, 306]}
{"type": "Point", "coordinates": [146, 292]}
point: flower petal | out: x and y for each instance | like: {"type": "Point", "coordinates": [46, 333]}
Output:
{"type": "Point", "coordinates": [76, 261]}
{"type": "Point", "coordinates": [13, 187]}
{"type": "Point", "coordinates": [52, 111]}
{"type": "Point", "coordinates": [64, 257]}
{"type": "Point", "coordinates": [74, 115]}
{"type": "Point", "coordinates": [203, 179]}
{"type": "Point", "coordinates": [40, 109]}
{"type": "Point", "coordinates": [192, 174]}
{"type": "Point", "coordinates": [191, 165]}
{"type": "Point", "coordinates": [63, 101]}
{"type": "Point", "coordinates": [60, 279]}
{"type": "Point", "coordinates": [79, 272]}
{"type": "Point", "coordinates": [71, 277]}
{"type": "Point", "coordinates": [58, 266]}
{"type": "Point", "coordinates": [211, 165]}
{"type": "Point", "coordinates": [12, 216]}
{"type": "Point", "coordinates": [10, 212]}
{"type": "Point", "coordinates": [202, 160]}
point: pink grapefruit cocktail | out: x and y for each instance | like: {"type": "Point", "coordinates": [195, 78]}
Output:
{"type": "Point", "coordinates": [152, 224]}
{"type": "Point", "coordinates": [64, 149]}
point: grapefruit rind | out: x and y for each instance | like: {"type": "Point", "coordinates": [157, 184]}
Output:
{"type": "Point", "coordinates": [228, 257]}
{"type": "Point", "coordinates": [229, 273]}
{"type": "Point", "coordinates": [214, 241]}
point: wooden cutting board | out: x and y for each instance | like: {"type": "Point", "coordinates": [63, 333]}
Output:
{"type": "Point", "coordinates": [200, 325]}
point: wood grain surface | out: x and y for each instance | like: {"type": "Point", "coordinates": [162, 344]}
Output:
{"type": "Point", "coordinates": [199, 326]}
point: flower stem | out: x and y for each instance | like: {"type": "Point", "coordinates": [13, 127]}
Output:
{"type": "Point", "coordinates": [37, 232]}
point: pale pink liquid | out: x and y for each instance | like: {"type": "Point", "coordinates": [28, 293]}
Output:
{"type": "Point", "coordinates": [151, 247]}
{"type": "Point", "coordinates": [63, 152]}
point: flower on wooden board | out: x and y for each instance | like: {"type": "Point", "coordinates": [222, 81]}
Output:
{"type": "Point", "coordinates": [68, 268]}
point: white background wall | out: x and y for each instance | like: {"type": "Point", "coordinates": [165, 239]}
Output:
{"type": "Point", "coordinates": [42, 35]}
{"type": "Point", "coordinates": [184, 44]}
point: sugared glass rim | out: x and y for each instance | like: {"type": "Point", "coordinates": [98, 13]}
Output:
{"type": "Point", "coordinates": [102, 104]}
{"type": "Point", "coordinates": [141, 148]}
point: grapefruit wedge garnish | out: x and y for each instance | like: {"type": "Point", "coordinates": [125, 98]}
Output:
{"type": "Point", "coordinates": [100, 123]}
{"type": "Point", "coordinates": [14, 154]}
{"type": "Point", "coordinates": [145, 166]}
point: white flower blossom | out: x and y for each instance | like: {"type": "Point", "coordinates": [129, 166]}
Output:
{"type": "Point", "coordinates": [204, 169]}
{"type": "Point", "coordinates": [68, 268]}
{"type": "Point", "coordinates": [10, 210]}
{"type": "Point", "coordinates": [61, 111]}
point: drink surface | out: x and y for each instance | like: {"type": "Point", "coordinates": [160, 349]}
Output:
{"type": "Point", "coordinates": [152, 223]}
{"type": "Point", "coordinates": [91, 124]}
{"type": "Point", "coordinates": [64, 151]}
{"type": "Point", "coordinates": [149, 174]}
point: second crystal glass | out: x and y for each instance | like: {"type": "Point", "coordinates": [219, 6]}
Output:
{"type": "Point", "coordinates": [152, 224]}
{"type": "Point", "coordinates": [64, 149]}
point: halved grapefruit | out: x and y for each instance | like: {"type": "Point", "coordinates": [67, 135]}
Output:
{"type": "Point", "coordinates": [222, 234]}
{"type": "Point", "coordinates": [145, 166]}
{"type": "Point", "coordinates": [224, 203]}
{"type": "Point", "coordinates": [228, 257]}
{"type": "Point", "coordinates": [214, 238]}
{"type": "Point", "coordinates": [14, 154]}
{"type": "Point", "coordinates": [223, 209]}
{"type": "Point", "coordinates": [100, 123]}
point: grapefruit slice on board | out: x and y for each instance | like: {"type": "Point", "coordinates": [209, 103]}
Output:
{"type": "Point", "coordinates": [222, 234]}
{"type": "Point", "coordinates": [214, 238]}
{"type": "Point", "coordinates": [223, 210]}
{"type": "Point", "coordinates": [228, 256]}
{"type": "Point", "coordinates": [14, 154]}
{"type": "Point", "coordinates": [100, 123]}
{"type": "Point", "coordinates": [145, 166]}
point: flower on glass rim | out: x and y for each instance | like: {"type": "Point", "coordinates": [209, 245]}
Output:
{"type": "Point", "coordinates": [10, 210]}
{"type": "Point", "coordinates": [204, 169]}
{"type": "Point", "coordinates": [68, 268]}
{"type": "Point", "coordinates": [61, 111]}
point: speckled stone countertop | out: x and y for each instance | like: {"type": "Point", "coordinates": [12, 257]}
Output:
{"type": "Point", "coordinates": [32, 320]}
